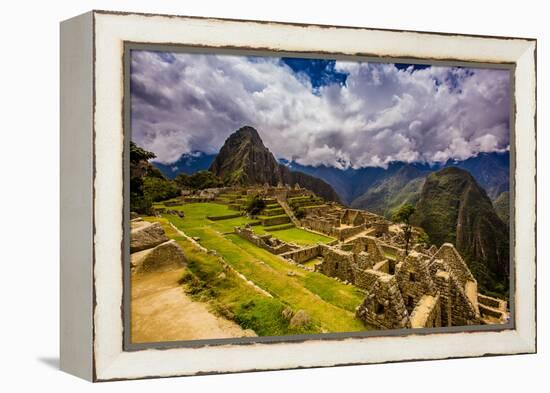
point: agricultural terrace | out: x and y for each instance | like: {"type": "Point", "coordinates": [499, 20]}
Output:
{"type": "Point", "coordinates": [259, 285]}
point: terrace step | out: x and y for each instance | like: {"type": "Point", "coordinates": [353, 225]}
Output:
{"type": "Point", "coordinates": [273, 212]}
{"type": "Point", "coordinates": [275, 228]}
{"type": "Point", "coordinates": [289, 212]}
{"type": "Point", "coordinates": [275, 220]}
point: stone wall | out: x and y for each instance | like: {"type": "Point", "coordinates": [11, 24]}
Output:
{"type": "Point", "coordinates": [454, 262]}
{"type": "Point", "coordinates": [303, 254]}
{"type": "Point", "coordinates": [383, 306]}
{"type": "Point", "coordinates": [274, 246]}
{"type": "Point", "coordinates": [373, 247]}
{"type": "Point", "coordinates": [352, 217]}
{"type": "Point", "coordinates": [365, 278]}
{"type": "Point", "coordinates": [345, 233]}
{"type": "Point", "coordinates": [463, 312]}
{"type": "Point", "coordinates": [442, 282]}
{"type": "Point", "coordinates": [320, 224]}
{"type": "Point", "coordinates": [337, 263]}
{"type": "Point", "coordinates": [380, 228]}
{"type": "Point", "coordinates": [427, 313]}
{"type": "Point", "coordinates": [414, 279]}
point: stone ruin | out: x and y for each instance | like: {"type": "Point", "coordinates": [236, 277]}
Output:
{"type": "Point", "coordinates": [415, 291]}
{"type": "Point", "coordinates": [429, 287]}
{"type": "Point", "coordinates": [343, 224]}
{"type": "Point", "coordinates": [267, 241]}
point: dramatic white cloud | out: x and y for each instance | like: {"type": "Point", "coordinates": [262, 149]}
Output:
{"type": "Point", "coordinates": [187, 102]}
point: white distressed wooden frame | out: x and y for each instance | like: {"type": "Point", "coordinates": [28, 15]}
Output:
{"type": "Point", "coordinates": [92, 195]}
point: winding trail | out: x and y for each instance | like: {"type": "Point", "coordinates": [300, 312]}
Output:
{"type": "Point", "coordinates": [161, 311]}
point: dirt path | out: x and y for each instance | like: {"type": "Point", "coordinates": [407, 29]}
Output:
{"type": "Point", "coordinates": [161, 311]}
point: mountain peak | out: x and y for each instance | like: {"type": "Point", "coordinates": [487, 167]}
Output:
{"type": "Point", "coordinates": [246, 133]}
{"type": "Point", "coordinates": [244, 160]}
{"type": "Point", "coordinates": [456, 171]}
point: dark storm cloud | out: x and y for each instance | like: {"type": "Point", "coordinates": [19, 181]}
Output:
{"type": "Point", "coordinates": [376, 114]}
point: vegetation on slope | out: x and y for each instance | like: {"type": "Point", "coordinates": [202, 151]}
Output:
{"type": "Point", "coordinates": [502, 207]}
{"type": "Point", "coordinates": [454, 208]}
{"type": "Point", "coordinates": [329, 303]}
{"type": "Point", "coordinates": [229, 295]}
{"type": "Point", "coordinates": [385, 196]}
{"type": "Point", "coordinates": [147, 184]}
{"type": "Point", "coordinates": [198, 180]}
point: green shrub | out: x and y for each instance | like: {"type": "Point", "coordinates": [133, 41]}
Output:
{"type": "Point", "coordinates": [198, 181]}
{"type": "Point", "coordinates": [159, 189]}
{"type": "Point", "coordinates": [254, 205]}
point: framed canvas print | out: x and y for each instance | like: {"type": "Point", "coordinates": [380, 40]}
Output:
{"type": "Point", "coordinates": [245, 195]}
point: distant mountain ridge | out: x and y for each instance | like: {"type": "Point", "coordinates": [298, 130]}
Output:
{"type": "Point", "coordinates": [386, 195]}
{"type": "Point", "coordinates": [491, 171]}
{"type": "Point", "coordinates": [188, 163]}
{"type": "Point", "coordinates": [376, 189]}
{"type": "Point", "coordinates": [244, 160]}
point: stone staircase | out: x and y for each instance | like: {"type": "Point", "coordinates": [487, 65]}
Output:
{"type": "Point", "coordinates": [288, 212]}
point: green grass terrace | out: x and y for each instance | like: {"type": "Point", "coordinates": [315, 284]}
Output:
{"type": "Point", "coordinates": [329, 303]}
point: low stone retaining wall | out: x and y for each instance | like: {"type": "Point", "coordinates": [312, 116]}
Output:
{"type": "Point", "coordinates": [226, 217]}
{"type": "Point", "coordinates": [275, 221]}
{"type": "Point", "coordinates": [282, 227]}
{"type": "Point", "coordinates": [274, 246]}
{"type": "Point", "coordinates": [345, 233]}
{"type": "Point", "coordinates": [303, 254]}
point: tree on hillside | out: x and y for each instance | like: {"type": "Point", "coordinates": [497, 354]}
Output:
{"type": "Point", "coordinates": [403, 215]}
{"type": "Point", "coordinates": [147, 184]}
{"type": "Point", "coordinates": [199, 180]}
{"type": "Point", "coordinates": [254, 205]}
{"type": "Point", "coordinates": [138, 154]}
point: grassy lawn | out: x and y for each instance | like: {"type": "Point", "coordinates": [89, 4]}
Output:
{"type": "Point", "coordinates": [329, 303]}
{"type": "Point", "coordinates": [228, 294]}
{"type": "Point", "coordinates": [195, 219]}
{"type": "Point", "coordinates": [295, 235]}
{"type": "Point", "coordinates": [334, 292]}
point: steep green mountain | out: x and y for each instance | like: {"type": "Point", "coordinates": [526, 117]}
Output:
{"type": "Point", "coordinates": [454, 208]}
{"type": "Point", "coordinates": [383, 197]}
{"type": "Point", "coordinates": [491, 171]}
{"type": "Point", "coordinates": [244, 160]}
{"type": "Point", "coordinates": [502, 206]}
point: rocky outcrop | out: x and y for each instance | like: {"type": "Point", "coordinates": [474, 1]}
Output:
{"type": "Point", "coordinates": [165, 256]}
{"type": "Point", "coordinates": [244, 160]}
{"type": "Point", "coordinates": [300, 320]}
{"type": "Point", "coordinates": [146, 235]}
{"type": "Point", "coordinates": [502, 207]}
{"type": "Point", "coordinates": [151, 250]}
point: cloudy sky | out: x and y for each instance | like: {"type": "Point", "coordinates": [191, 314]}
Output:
{"type": "Point", "coordinates": [318, 112]}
